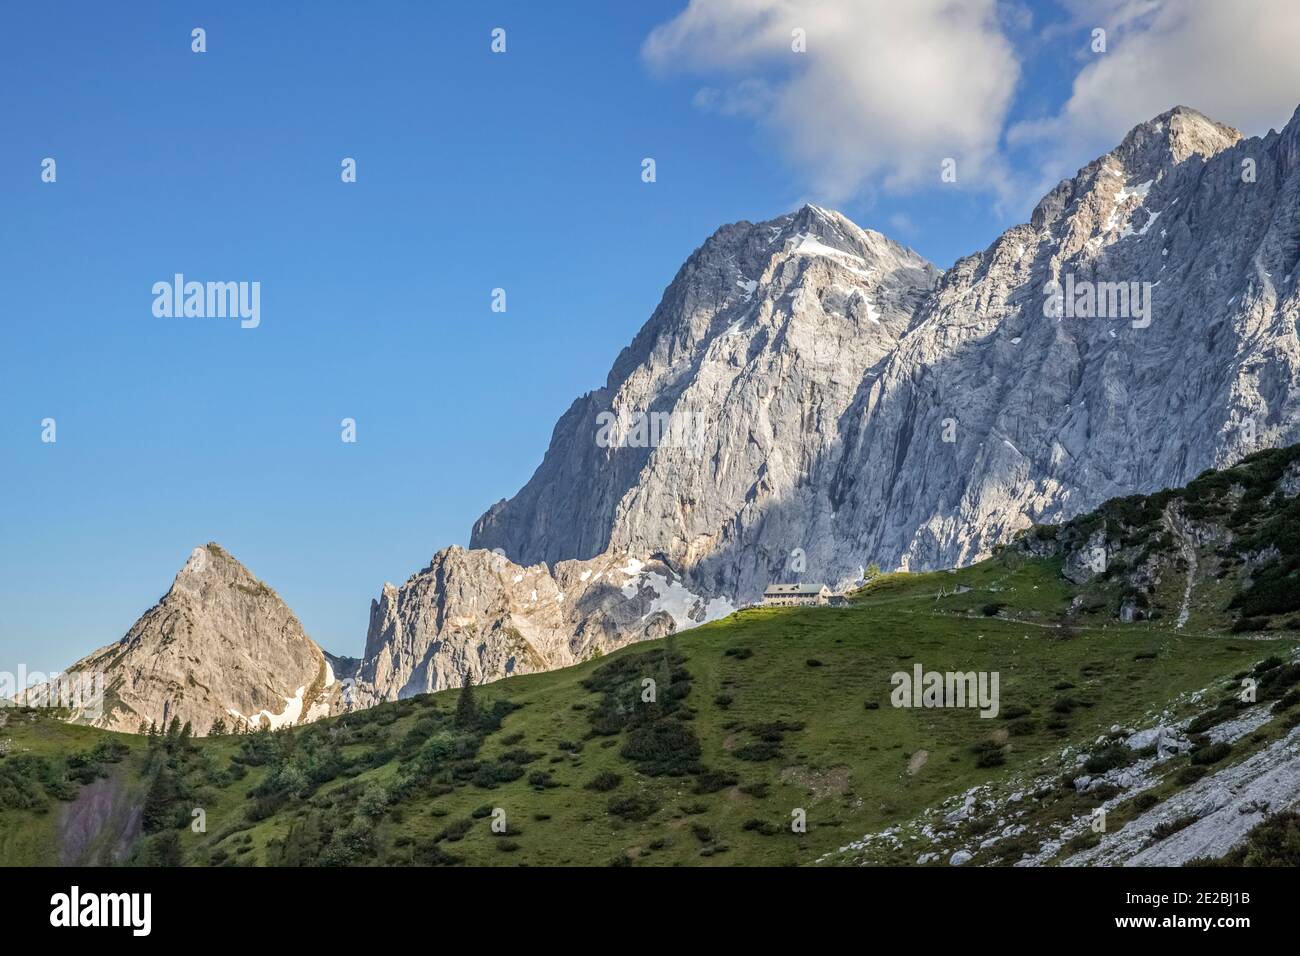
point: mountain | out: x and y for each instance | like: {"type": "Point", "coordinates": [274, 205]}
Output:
{"type": "Point", "coordinates": [810, 397]}
{"type": "Point", "coordinates": [475, 613]}
{"type": "Point", "coordinates": [1052, 416]}
{"type": "Point", "coordinates": [1147, 664]}
{"type": "Point", "coordinates": [757, 348]}
{"type": "Point", "coordinates": [220, 645]}
{"type": "Point", "coordinates": [757, 351]}
{"type": "Point", "coordinates": [857, 409]}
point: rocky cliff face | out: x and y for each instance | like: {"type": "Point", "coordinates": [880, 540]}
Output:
{"type": "Point", "coordinates": [809, 397]}
{"type": "Point", "coordinates": [756, 354]}
{"type": "Point", "coordinates": [724, 410]}
{"type": "Point", "coordinates": [476, 613]}
{"type": "Point", "coordinates": [1140, 328]}
{"type": "Point", "coordinates": [1047, 416]}
{"type": "Point", "coordinates": [219, 645]}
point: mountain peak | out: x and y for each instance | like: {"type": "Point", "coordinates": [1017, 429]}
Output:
{"type": "Point", "coordinates": [1179, 133]}
{"type": "Point", "coordinates": [220, 645]}
{"type": "Point", "coordinates": [1147, 152]}
{"type": "Point", "coordinates": [210, 567]}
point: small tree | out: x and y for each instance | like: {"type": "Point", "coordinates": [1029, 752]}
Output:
{"type": "Point", "coordinates": [466, 708]}
{"type": "Point", "coordinates": [373, 803]}
{"type": "Point", "coordinates": [218, 727]}
{"type": "Point", "coordinates": [872, 572]}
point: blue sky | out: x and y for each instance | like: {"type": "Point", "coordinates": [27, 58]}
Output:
{"type": "Point", "coordinates": [475, 171]}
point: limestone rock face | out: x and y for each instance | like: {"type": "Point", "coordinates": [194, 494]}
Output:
{"type": "Point", "coordinates": [476, 613]}
{"type": "Point", "coordinates": [219, 645]}
{"type": "Point", "coordinates": [1050, 416]}
{"type": "Point", "coordinates": [857, 407]}
{"type": "Point", "coordinates": [759, 350]}
{"type": "Point", "coordinates": [810, 397]}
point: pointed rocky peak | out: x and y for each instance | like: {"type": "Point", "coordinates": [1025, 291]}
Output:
{"type": "Point", "coordinates": [1149, 153]}
{"type": "Point", "coordinates": [815, 230]}
{"type": "Point", "coordinates": [220, 645]}
{"type": "Point", "coordinates": [1176, 134]}
{"type": "Point", "coordinates": [211, 572]}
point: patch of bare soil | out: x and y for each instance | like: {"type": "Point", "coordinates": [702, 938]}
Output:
{"type": "Point", "coordinates": [829, 782]}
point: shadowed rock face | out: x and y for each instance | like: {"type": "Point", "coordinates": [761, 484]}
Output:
{"type": "Point", "coordinates": [855, 413]}
{"type": "Point", "coordinates": [809, 397]}
{"type": "Point", "coordinates": [761, 344]}
{"type": "Point", "coordinates": [220, 644]}
{"type": "Point", "coordinates": [1051, 416]}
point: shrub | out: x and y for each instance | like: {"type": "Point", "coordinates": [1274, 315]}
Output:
{"type": "Point", "coordinates": [490, 775]}
{"type": "Point", "coordinates": [604, 781]}
{"type": "Point", "coordinates": [1287, 700]}
{"type": "Point", "coordinates": [541, 780]}
{"type": "Point", "coordinates": [1211, 753]}
{"type": "Point", "coordinates": [758, 751]}
{"type": "Point", "coordinates": [711, 781]}
{"type": "Point", "coordinates": [634, 808]}
{"type": "Point", "coordinates": [1108, 758]}
{"type": "Point", "coordinates": [666, 747]}
{"type": "Point", "coordinates": [988, 753]}
{"type": "Point", "coordinates": [1168, 828]}
{"type": "Point", "coordinates": [456, 830]}
{"type": "Point", "coordinates": [1083, 841]}
{"type": "Point", "coordinates": [1023, 727]}
{"type": "Point", "coordinates": [1212, 718]}
{"type": "Point", "coordinates": [1145, 801]}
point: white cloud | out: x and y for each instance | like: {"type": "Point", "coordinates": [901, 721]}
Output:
{"type": "Point", "coordinates": [885, 92]}
{"type": "Point", "coordinates": [1236, 62]}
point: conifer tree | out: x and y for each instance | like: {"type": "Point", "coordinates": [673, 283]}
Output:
{"type": "Point", "coordinates": [466, 708]}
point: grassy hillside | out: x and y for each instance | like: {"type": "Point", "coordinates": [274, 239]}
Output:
{"type": "Point", "coordinates": [767, 717]}
{"type": "Point", "coordinates": [764, 713]}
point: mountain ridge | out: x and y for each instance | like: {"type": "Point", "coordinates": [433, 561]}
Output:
{"type": "Point", "coordinates": [1099, 224]}
{"type": "Point", "coordinates": [830, 399]}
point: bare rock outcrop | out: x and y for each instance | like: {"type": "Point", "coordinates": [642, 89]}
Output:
{"type": "Point", "coordinates": [476, 613]}
{"type": "Point", "coordinates": [220, 645]}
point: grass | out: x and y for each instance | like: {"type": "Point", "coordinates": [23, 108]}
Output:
{"type": "Point", "coordinates": [812, 746]}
